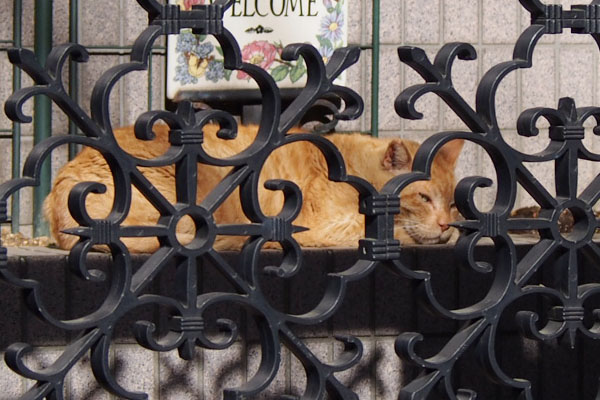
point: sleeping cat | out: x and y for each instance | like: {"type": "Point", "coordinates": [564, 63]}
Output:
{"type": "Point", "coordinates": [330, 209]}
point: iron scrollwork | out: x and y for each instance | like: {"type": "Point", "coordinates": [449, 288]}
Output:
{"type": "Point", "coordinates": [187, 326]}
{"type": "Point", "coordinates": [560, 253]}
{"type": "Point", "coordinates": [126, 293]}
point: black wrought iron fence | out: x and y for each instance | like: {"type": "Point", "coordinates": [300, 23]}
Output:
{"type": "Point", "coordinates": [44, 21]}
{"type": "Point", "coordinates": [563, 257]}
{"type": "Point", "coordinates": [42, 15]}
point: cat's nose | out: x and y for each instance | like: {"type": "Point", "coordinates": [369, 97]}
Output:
{"type": "Point", "coordinates": [444, 226]}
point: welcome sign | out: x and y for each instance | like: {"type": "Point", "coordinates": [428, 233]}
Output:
{"type": "Point", "coordinates": [263, 28]}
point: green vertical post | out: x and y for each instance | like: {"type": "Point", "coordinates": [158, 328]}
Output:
{"type": "Point", "coordinates": [150, 97]}
{"type": "Point", "coordinates": [42, 111]}
{"type": "Point", "coordinates": [73, 69]}
{"type": "Point", "coordinates": [375, 72]}
{"type": "Point", "coordinates": [16, 128]}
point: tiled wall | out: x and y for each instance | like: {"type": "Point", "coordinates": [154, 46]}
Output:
{"type": "Point", "coordinates": [563, 66]}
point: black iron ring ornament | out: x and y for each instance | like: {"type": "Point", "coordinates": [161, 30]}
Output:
{"type": "Point", "coordinates": [378, 249]}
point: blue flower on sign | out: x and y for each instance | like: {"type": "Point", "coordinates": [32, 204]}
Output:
{"type": "Point", "coordinates": [182, 75]}
{"type": "Point", "coordinates": [326, 52]}
{"type": "Point", "coordinates": [203, 50]}
{"type": "Point", "coordinates": [215, 71]}
{"type": "Point", "coordinates": [186, 42]}
{"type": "Point", "coordinates": [331, 26]}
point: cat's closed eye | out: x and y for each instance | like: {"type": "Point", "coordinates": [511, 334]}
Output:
{"type": "Point", "coordinates": [425, 198]}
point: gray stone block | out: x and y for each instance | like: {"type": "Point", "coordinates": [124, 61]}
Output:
{"type": "Point", "coordinates": [11, 384]}
{"type": "Point", "coordinates": [576, 70]}
{"type": "Point", "coordinates": [135, 84]}
{"type": "Point", "coordinates": [428, 105]}
{"type": "Point", "coordinates": [461, 21]}
{"type": "Point", "coordinates": [6, 31]}
{"type": "Point", "coordinates": [389, 88]}
{"type": "Point", "coordinates": [26, 194]}
{"type": "Point", "coordinates": [157, 84]}
{"type": "Point", "coordinates": [89, 73]}
{"type": "Point", "coordinates": [179, 378]}
{"type": "Point", "coordinates": [27, 23]}
{"type": "Point", "coordinates": [322, 350]}
{"type": "Point", "coordinates": [223, 369]}
{"type": "Point", "coordinates": [134, 20]}
{"type": "Point", "coordinates": [486, 197]}
{"type": "Point", "coordinates": [106, 33]}
{"type": "Point", "coordinates": [507, 94]}
{"type": "Point", "coordinates": [538, 83]}
{"type": "Point", "coordinates": [420, 14]}
{"type": "Point", "coordinates": [40, 359]}
{"type": "Point", "coordinates": [6, 89]}
{"type": "Point", "coordinates": [82, 384]}
{"type": "Point", "coordinates": [137, 369]}
{"type": "Point", "coordinates": [279, 384]}
{"type": "Point", "coordinates": [60, 21]}
{"type": "Point", "coordinates": [500, 22]}
{"type": "Point", "coordinates": [469, 162]}
{"type": "Point", "coordinates": [389, 371]}
{"type": "Point", "coordinates": [358, 79]}
{"type": "Point", "coordinates": [359, 377]}
{"type": "Point", "coordinates": [391, 21]}
{"type": "Point", "coordinates": [359, 31]}
{"type": "Point", "coordinates": [465, 78]}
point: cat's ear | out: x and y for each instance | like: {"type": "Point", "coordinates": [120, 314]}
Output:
{"type": "Point", "coordinates": [451, 150]}
{"type": "Point", "coordinates": [397, 156]}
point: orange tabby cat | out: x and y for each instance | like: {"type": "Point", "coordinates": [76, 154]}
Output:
{"type": "Point", "coordinates": [330, 209]}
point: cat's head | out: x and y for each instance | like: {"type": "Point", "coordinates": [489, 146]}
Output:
{"type": "Point", "coordinates": [427, 207]}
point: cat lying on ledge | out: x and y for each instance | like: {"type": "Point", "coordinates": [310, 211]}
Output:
{"type": "Point", "coordinates": [330, 209]}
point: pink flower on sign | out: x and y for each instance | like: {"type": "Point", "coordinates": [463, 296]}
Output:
{"type": "Point", "coordinates": [186, 5]}
{"type": "Point", "coordinates": [261, 53]}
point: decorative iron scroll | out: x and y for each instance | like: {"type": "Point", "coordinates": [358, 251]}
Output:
{"type": "Point", "coordinates": [560, 253]}
{"type": "Point", "coordinates": [378, 249]}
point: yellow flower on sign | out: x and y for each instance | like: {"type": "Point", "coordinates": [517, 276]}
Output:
{"type": "Point", "coordinates": [197, 66]}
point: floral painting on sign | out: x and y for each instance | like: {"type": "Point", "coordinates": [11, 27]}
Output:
{"type": "Point", "coordinates": [199, 59]}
